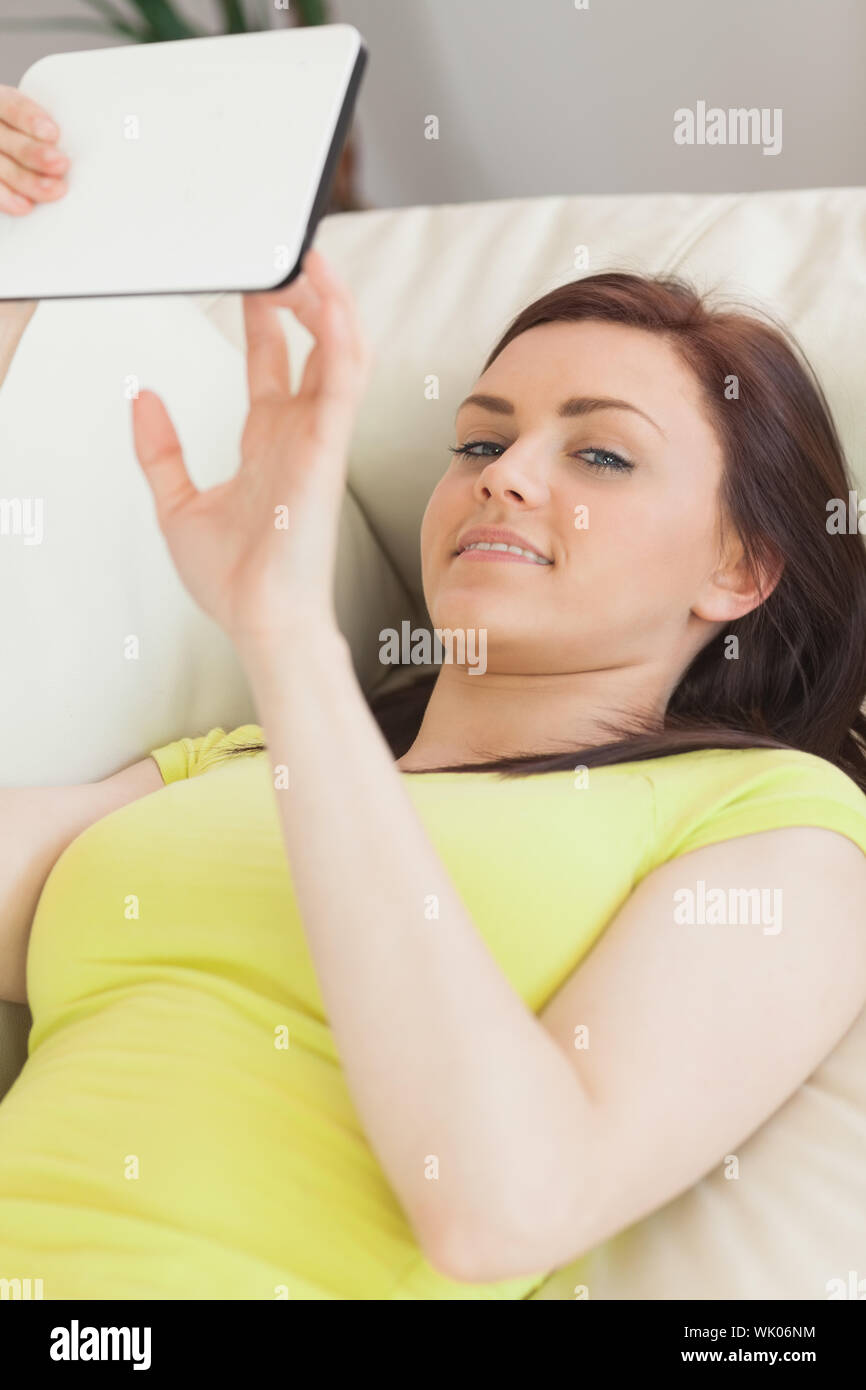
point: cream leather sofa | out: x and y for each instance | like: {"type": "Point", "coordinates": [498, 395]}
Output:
{"type": "Point", "coordinates": [435, 286]}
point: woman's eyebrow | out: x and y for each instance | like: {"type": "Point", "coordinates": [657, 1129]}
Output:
{"type": "Point", "coordinates": [575, 405]}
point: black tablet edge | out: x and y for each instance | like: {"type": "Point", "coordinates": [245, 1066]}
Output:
{"type": "Point", "coordinates": [320, 202]}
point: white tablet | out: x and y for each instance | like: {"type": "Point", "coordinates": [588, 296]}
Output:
{"type": "Point", "coordinates": [196, 165]}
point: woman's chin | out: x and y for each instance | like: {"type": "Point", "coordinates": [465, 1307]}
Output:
{"type": "Point", "coordinates": [468, 610]}
{"type": "Point", "coordinates": [492, 626]}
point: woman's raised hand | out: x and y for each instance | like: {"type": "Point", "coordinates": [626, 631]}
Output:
{"type": "Point", "coordinates": [31, 167]}
{"type": "Point", "coordinates": [257, 553]}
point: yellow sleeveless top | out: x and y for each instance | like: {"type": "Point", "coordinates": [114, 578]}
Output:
{"type": "Point", "coordinates": [182, 1128]}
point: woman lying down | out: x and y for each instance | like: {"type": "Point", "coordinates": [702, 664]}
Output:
{"type": "Point", "coordinates": [430, 1001]}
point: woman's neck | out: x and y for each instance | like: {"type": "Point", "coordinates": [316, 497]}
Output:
{"type": "Point", "coordinates": [474, 718]}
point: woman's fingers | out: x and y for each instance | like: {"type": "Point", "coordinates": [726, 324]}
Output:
{"type": "Point", "coordinates": [40, 156]}
{"type": "Point", "coordinates": [267, 351]}
{"type": "Point", "coordinates": [31, 169]}
{"type": "Point", "coordinates": [28, 184]}
{"type": "Point", "coordinates": [268, 369]}
{"type": "Point", "coordinates": [13, 203]}
{"type": "Point", "coordinates": [336, 367]}
{"type": "Point", "coordinates": [343, 351]}
{"type": "Point", "coordinates": [304, 296]}
{"type": "Point", "coordinates": [23, 113]}
{"type": "Point", "coordinates": [324, 304]}
{"type": "Point", "coordinates": [305, 303]}
{"type": "Point", "coordinates": [324, 277]}
{"type": "Point", "coordinates": [160, 455]}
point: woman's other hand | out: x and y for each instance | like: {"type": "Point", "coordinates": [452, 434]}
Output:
{"type": "Point", "coordinates": [32, 169]}
{"type": "Point", "coordinates": [257, 553]}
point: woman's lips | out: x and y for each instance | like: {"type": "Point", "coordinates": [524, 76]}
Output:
{"type": "Point", "coordinates": [502, 541]}
{"type": "Point", "coordinates": [499, 555]}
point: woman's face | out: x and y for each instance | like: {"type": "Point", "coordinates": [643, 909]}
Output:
{"type": "Point", "coordinates": [620, 499]}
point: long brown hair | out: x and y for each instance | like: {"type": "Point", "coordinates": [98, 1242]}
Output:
{"type": "Point", "coordinates": [801, 680]}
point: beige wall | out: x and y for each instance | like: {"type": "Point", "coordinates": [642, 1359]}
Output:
{"type": "Point", "coordinates": [538, 97]}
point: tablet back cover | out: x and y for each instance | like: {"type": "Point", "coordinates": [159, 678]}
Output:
{"type": "Point", "coordinates": [196, 165]}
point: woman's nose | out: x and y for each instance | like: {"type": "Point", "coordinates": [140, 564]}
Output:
{"type": "Point", "coordinates": [516, 480]}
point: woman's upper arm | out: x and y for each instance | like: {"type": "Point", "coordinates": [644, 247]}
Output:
{"type": "Point", "coordinates": [132, 782]}
{"type": "Point", "coordinates": [36, 825]}
{"type": "Point", "coordinates": [703, 1007]}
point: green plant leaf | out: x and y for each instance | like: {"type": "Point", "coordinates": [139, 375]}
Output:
{"type": "Point", "coordinates": [162, 19]}
{"type": "Point", "coordinates": [234, 19]}
{"type": "Point", "coordinates": [311, 11]}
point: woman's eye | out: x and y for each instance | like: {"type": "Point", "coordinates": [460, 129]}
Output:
{"type": "Point", "coordinates": [476, 444]}
{"type": "Point", "coordinates": [607, 460]}
{"type": "Point", "coordinates": [604, 460]}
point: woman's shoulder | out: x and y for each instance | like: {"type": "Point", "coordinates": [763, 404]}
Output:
{"type": "Point", "coordinates": [193, 755]}
{"type": "Point", "coordinates": [716, 794]}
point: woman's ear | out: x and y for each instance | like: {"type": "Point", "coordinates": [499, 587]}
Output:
{"type": "Point", "coordinates": [736, 587]}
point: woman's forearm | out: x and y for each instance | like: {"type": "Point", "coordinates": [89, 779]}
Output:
{"type": "Point", "coordinates": [15, 314]}
{"type": "Point", "coordinates": [473, 1110]}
